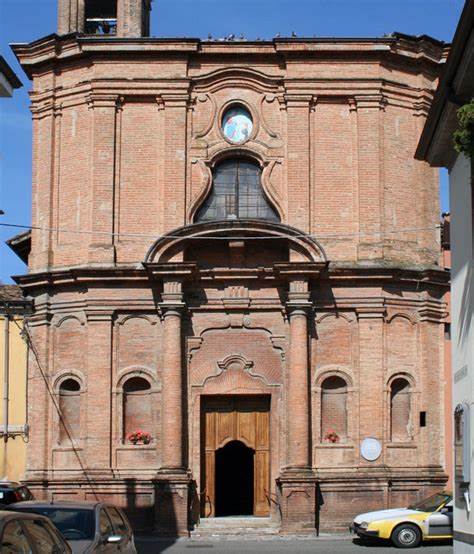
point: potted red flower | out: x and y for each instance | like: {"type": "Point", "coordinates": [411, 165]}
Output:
{"type": "Point", "coordinates": [331, 436]}
{"type": "Point", "coordinates": [139, 437]}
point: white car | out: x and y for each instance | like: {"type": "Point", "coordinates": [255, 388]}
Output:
{"type": "Point", "coordinates": [430, 519]}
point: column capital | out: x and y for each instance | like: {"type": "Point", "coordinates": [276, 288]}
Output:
{"type": "Point", "coordinates": [298, 295]}
{"type": "Point", "coordinates": [169, 309]}
{"type": "Point", "coordinates": [172, 294]}
{"type": "Point", "coordinates": [173, 99]}
{"type": "Point", "coordinates": [99, 315]}
{"type": "Point", "coordinates": [295, 308]}
{"type": "Point", "coordinates": [104, 100]}
{"type": "Point", "coordinates": [299, 100]}
{"type": "Point", "coordinates": [370, 101]}
{"type": "Point", "coordinates": [371, 312]}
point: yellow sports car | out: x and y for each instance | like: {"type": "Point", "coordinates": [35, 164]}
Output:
{"type": "Point", "coordinates": [430, 519]}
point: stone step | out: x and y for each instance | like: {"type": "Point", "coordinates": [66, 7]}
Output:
{"type": "Point", "coordinates": [226, 526]}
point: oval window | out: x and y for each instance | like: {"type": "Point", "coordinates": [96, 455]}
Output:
{"type": "Point", "coordinates": [237, 124]}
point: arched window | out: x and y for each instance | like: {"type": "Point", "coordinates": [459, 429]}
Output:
{"type": "Point", "coordinates": [136, 406]}
{"type": "Point", "coordinates": [236, 194]}
{"type": "Point", "coordinates": [400, 407]}
{"type": "Point", "coordinates": [70, 410]}
{"type": "Point", "coordinates": [334, 410]}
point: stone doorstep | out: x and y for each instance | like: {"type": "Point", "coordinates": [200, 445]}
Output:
{"type": "Point", "coordinates": [235, 521]}
{"type": "Point", "coordinates": [234, 526]}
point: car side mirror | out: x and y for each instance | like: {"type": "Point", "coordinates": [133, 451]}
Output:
{"type": "Point", "coordinates": [114, 539]}
{"type": "Point", "coordinates": [445, 510]}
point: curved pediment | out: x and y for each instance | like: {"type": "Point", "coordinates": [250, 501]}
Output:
{"type": "Point", "coordinates": [242, 77]}
{"type": "Point", "coordinates": [169, 247]}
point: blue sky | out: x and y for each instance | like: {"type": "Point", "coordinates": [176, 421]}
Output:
{"type": "Point", "coordinates": [27, 20]}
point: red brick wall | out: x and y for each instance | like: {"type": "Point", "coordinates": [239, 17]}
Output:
{"type": "Point", "coordinates": [124, 142]}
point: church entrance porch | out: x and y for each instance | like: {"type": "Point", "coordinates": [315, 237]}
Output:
{"type": "Point", "coordinates": [235, 447]}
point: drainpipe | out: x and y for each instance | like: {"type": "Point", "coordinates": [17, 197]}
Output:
{"type": "Point", "coordinates": [6, 374]}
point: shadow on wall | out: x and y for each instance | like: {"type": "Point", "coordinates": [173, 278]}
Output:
{"type": "Point", "coordinates": [319, 504]}
{"type": "Point", "coordinates": [142, 519]}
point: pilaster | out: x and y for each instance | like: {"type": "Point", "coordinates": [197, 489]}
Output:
{"type": "Point", "coordinates": [46, 137]}
{"type": "Point", "coordinates": [175, 144]}
{"type": "Point", "coordinates": [371, 370]}
{"type": "Point", "coordinates": [298, 108]}
{"type": "Point", "coordinates": [370, 171]}
{"type": "Point", "coordinates": [104, 111]}
{"type": "Point", "coordinates": [40, 411]}
{"type": "Point", "coordinates": [133, 18]}
{"type": "Point", "coordinates": [99, 403]}
{"type": "Point", "coordinates": [70, 16]}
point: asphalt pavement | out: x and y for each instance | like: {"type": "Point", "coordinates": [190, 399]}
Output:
{"type": "Point", "coordinates": [321, 545]}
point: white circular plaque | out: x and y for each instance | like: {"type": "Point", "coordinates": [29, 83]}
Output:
{"type": "Point", "coordinates": [370, 449]}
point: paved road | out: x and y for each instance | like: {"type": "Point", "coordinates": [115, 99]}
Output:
{"type": "Point", "coordinates": [280, 545]}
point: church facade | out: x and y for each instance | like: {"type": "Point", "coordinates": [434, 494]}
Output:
{"type": "Point", "coordinates": [234, 267]}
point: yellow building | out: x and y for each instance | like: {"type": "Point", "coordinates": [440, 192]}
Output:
{"type": "Point", "coordinates": [13, 376]}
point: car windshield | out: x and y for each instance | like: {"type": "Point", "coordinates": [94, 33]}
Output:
{"type": "Point", "coordinates": [431, 504]}
{"type": "Point", "coordinates": [73, 523]}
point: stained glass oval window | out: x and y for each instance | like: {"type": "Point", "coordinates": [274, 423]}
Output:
{"type": "Point", "coordinates": [237, 124]}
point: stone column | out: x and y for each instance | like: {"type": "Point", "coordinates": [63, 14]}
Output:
{"type": "Point", "coordinates": [298, 399]}
{"type": "Point", "coordinates": [297, 482]}
{"type": "Point", "coordinates": [173, 481]}
{"type": "Point", "coordinates": [172, 392]}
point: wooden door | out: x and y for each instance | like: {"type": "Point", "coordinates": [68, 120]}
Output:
{"type": "Point", "coordinates": [242, 418]}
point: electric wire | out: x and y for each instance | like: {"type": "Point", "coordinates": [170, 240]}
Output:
{"type": "Point", "coordinates": [25, 332]}
{"type": "Point", "coordinates": [144, 236]}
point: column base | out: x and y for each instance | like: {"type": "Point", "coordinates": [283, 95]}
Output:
{"type": "Point", "coordinates": [172, 499]}
{"type": "Point", "coordinates": [297, 491]}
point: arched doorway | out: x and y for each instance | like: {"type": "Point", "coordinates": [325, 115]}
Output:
{"type": "Point", "coordinates": [234, 479]}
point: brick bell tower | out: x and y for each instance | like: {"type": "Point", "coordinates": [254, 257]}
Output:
{"type": "Point", "coordinates": [120, 18]}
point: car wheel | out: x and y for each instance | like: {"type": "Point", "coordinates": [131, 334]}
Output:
{"type": "Point", "coordinates": [406, 536]}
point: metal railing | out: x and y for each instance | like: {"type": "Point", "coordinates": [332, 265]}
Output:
{"type": "Point", "coordinates": [98, 26]}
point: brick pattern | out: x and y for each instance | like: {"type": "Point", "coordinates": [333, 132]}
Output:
{"type": "Point", "coordinates": [124, 142]}
{"type": "Point", "coordinates": [334, 408]}
{"type": "Point", "coordinates": [400, 416]}
{"type": "Point", "coordinates": [137, 409]}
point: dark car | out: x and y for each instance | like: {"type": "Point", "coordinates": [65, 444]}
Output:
{"type": "Point", "coordinates": [11, 491]}
{"type": "Point", "coordinates": [87, 526]}
{"type": "Point", "coordinates": [25, 533]}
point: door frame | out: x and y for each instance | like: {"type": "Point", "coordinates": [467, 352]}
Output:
{"type": "Point", "coordinates": [260, 442]}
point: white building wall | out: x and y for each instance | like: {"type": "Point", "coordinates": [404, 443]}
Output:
{"type": "Point", "coordinates": [462, 326]}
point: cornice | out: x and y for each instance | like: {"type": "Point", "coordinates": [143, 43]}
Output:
{"type": "Point", "coordinates": [55, 48]}
{"type": "Point", "coordinates": [132, 275]}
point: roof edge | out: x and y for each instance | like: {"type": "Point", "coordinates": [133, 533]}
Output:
{"type": "Point", "coordinates": [444, 91]}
